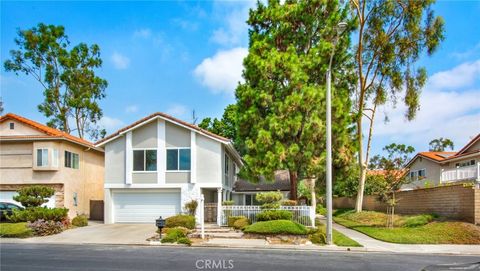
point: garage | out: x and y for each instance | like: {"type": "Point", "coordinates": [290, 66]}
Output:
{"type": "Point", "coordinates": [7, 196]}
{"type": "Point", "coordinates": [144, 207]}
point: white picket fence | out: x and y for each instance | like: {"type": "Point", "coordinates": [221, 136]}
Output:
{"type": "Point", "coordinates": [304, 215]}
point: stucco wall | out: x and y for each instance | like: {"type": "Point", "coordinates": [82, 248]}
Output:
{"type": "Point", "coordinates": [209, 160]}
{"type": "Point", "coordinates": [19, 129]}
{"type": "Point", "coordinates": [432, 173]}
{"type": "Point", "coordinates": [176, 136]}
{"type": "Point", "coordinates": [145, 136]}
{"type": "Point", "coordinates": [115, 161]}
{"type": "Point", "coordinates": [453, 201]}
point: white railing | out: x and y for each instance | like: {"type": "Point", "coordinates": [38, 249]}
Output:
{"type": "Point", "coordinates": [460, 174]}
{"type": "Point", "coordinates": [304, 215]}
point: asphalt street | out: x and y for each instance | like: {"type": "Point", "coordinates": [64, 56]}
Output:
{"type": "Point", "coordinates": [20, 257]}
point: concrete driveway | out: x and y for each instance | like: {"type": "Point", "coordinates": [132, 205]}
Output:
{"type": "Point", "coordinates": [97, 233]}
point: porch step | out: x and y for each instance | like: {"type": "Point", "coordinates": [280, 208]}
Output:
{"type": "Point", "coordinates": [219, 229]}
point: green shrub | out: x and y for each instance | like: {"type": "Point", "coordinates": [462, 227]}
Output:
{"type": "Point", "coordinates": [289, 202]}
{"type": "Point", "coordinates": [34, 196]}
{"type": "Point", "coordinates": [276, 227]}
{"type": "Point", "coordinates": [228, 203]}
{"type": "Point", "coordinates": [185, 241]}
{"type": "Point", "coordinates": [176, 233]}
{"type": "Point", "coordinates": [419, 220]}
{"type": "Point", "coordinates": [169, 230]}
{"type": "Point", "coordinates": [232, 219]}
{"type": "Point", "coordinates": [191, 207]}
{"type": "Point", "coordinates": [269, 197]}
{"type": "Point", "coordinates": [168, 239]}
{"type": "Point", "coordinates": [43, 228]}
{"type": "Point", "coordinates": [36, 213]}
{"type": "Point", "coordinates": [15, 230]}
{"type": "Point", "coordinates": [241, 223]}
{"type": "Point", "coordinates": [80, 221]}
{"type": "Point", "coordinates": [318, 238]}
{"type": "Point", "coordinates": [274, 215]}
{"type": "Point", "coordinates": [186, 221]}
{"type": "Point", "coordinates": [321, 210]}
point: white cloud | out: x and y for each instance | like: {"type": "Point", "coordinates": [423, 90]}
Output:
{"type": "Point", "coordinates": [177, 110]}
{"type": "Point", "coordinates": [449, 107]}
{"type": "Point", "coordinates": [131, 109]}
{"type": "Point", "coordinates": [234, 17]}
{"type": "Point", "coordinates": [142, 33]}
{"type": "Point", "coordinates": [461, 76]}
{"type": "Point", "coordinates": [111, 124]}
{"type": "Point", "coordinates": [120, 61]}
{"type": "Point", "coordinates": [223, 71]}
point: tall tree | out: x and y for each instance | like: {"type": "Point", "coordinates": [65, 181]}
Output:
{"type": "Point", "coordinates": [281, 104]}
{"type": "Point", "coordinates": [391, 37]}
{"type": "Point", "coordinates": [71, 88]}
{"type": "Point", "coordinates": [441, 144]}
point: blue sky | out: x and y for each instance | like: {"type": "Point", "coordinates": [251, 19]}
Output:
{"type": "Point", "coordinates": [179, 56]}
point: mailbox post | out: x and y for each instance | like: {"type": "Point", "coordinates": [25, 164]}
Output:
{"type": "Point", "coordinates": [160, 223]}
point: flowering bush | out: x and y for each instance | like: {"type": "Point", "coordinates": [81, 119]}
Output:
{"type": "Point", "coordinates": [42, 228]}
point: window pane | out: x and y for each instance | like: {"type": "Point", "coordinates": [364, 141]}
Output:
{"type": "Point", "coordinates": [68, 159]}
{"type": "Point", "coordinates": [172, 159]}
{"type": "Point", "coordinates": [248, 199]}
{"type": "Point", "coordinates": [138, 161]}
{"type": "Point", "coordinates": [185, 159]}
{"type": "Point", "coordinates": [151, 160]}
{"type": "Point", "coordinates": [75, 160]}
{"type": "Point", "coordinates": [55, 158]}
{"type": "Point", "coordinates": [39, 157]}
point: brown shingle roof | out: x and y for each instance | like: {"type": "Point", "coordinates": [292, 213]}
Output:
{"type": "Point", "coordinates": [163, 115]}
{"type": "Point", "coordinates": [282, 183]}
{"type": "Point", "coordinates": [49, 131]}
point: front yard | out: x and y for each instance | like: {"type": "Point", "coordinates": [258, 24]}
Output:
{"type": "Point", "coordinates": [15, 230]}
{"type": "Point", "coordinates": [419, 229]}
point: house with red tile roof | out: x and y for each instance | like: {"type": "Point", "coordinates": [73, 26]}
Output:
{"type": "Point", "coordinates": [34, 154]}
{"type": "Point", "coordinates": [428, 169]}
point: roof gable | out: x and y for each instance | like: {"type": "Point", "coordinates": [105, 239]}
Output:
{"type": "Point", "coordinates": [471, 146]}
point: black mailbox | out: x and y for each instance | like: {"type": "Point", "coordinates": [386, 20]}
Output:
{"type": "Point", "coordinates": [160, 223]}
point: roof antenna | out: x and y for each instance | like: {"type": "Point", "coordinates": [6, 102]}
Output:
{"type": "Point", "coordinates": [194, 117]}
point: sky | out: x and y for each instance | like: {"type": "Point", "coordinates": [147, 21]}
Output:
{"type": "Point", "coordinates": [180, 56]}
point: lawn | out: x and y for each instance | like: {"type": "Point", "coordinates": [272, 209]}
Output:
{"type": "Point", "coordinates": [18, 230]}
{"type": "Point", "coordinates": [421, 229]}
{"type": "Point", "coordinates": [339, 238]}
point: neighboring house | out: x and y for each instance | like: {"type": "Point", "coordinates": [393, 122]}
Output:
{"type": "Point", "coordinates": [244, 192]}
{"type": "Point", "coordinates": [157, 164]}
{"type": "Point", "coordinates": [34, 154]}
{"type": "Point", "coordinates": [435, 168]}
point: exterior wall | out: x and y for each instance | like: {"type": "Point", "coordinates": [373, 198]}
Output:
{"type": "Point", "coordinates": [145, 136]}
{"type": "Point", "coordinates": [452, 164]}
{"type": "Point", "coordinates": [453, 201]}
{"type": "Point", "coordinates": [20, 129]}
{"type": "Point", "coordinates": [177, 177]}
{"type": "Point", "coordinates": [144, 177]}
{"type": "Point", "coordinates": [176, 136]}
{"type": "Point", "coordinates": [474, 147]}
{"type": "Point", "coordinates": [86, 181]}
{"type": "Point", "coordinates": [433, 171]}
{"type": "Point", "coordinates": [209, 160]}
{"type": "Point", "coordinates": [115, 161]}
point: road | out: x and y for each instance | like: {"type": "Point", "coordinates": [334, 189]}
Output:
{"type": "Point", "coordinates": [95, 257]}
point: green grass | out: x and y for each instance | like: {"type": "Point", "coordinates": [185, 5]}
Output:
{"type": "Point", "coordinates": [418, 229]}
{"type": "Point", "coordinates": [16, 230]}
{"type": "Point", "coordinates": [276, 227]}
{"type": "Point", "coordinates": [339, 238]}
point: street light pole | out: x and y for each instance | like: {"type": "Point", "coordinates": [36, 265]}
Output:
{"type": "Point", "coordinates": [340, 29]}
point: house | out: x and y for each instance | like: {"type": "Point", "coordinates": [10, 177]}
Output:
{"type": "Point", "coordinates": [436, 168]}
{"type": "Point", "coordinates": [157, 164]}
{"type": "Point", "coordinates": [34, 154]}
{"type": "Point", "coordinates": [244, 192]}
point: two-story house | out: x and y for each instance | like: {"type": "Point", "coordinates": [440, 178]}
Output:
{"type": "Point", "coordinates": [34, 154]}
{"type": "Point", "coordinates": [435, 168]}
{"type": "Point", "coordinates": [157, 164]}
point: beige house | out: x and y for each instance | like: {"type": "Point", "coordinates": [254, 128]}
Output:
{"type": "Point", "coordinates": [32, 153]}
{"type": "Point", "coordinates": [157, 164]}
{"type": "Point", "coordinates": [429, 169]}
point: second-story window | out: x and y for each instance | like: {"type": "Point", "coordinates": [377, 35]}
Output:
{"type": "Point", "coordinates": [72, 160]}
{"type": "Point", "coordinates": [42, 157]}
{"type": "Point", "coordinates": [145, 160]}
{"type": "Point", "coordinates": [178, 159]}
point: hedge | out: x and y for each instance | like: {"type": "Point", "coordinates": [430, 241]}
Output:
{"type": "Point", "coordinates": [186, 221]}
{"type": "Point", "coordinates": [277, 227]}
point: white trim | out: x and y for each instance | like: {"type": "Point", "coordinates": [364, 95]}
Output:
{"type": "Point", "coordinates": [178, 159]}
{"type": "Point", "coordinates": [143, 149]}
{"type": "Point", "coordinates": [161, 152]}
{"type": "Point", "coordinates": [144, 171]}
{"type": "Point", "coordinates": [128, 158]}
{"type": "Point", "coordinates": [144, 160]}
{"type": "Point", "coordinates": [142, 186]}
{"type": "Point", "coordinates": [180, 171]}
{"type": "Point", "coordinates": [193, 157]}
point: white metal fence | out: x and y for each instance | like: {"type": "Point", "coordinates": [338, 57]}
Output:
{"type": "Point", "coordinates": [304, 215]}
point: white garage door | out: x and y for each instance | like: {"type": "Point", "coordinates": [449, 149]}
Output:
{"type": "Point", "coordinates": [7, 196]}
{"type": "Point", "coordinates": [144, 207]}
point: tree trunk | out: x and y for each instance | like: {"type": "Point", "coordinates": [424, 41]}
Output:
{"type": "Point", "coordinates": [293, 185]}
{"type": "Point", "coordinates": [362, 166]}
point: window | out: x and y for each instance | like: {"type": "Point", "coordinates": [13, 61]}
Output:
{"type": "Point", "coordinates": [72, 160]}
{"type": "Point", "coordinates": [75, 199]}
{"type": "Point", "coordinates": [12, 125]}
{"type": "Point", "coordinates": [42, 157]}
{"type": "Point", "coordinates": [226, 164]}
{"type": "Point", "coordinates": [422, 173]}
{"type": "Point", "coordinates": [178, 159]}
{"type": "Point", "coordinates": [465, 164]}
{"type": "Point", "coordinates": [145, 160]}
{"type": "Point", "coordinates": [251, 199]}
{"type": "Point", "coordinates": [55, 158]}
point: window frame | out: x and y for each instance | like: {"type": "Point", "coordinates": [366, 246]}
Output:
{"type": "Point", "coordinates": [74, 163]}
{"type": "Point", "coordinates": [145, 160]}
{"type": "Point", "coordinates": [12, 125]}
{"type": "Point", "coordinates": [55, 158]}
{"type": "Point", "coordinates": [178, 159]}
{"type": "Point", "coordinates": [41, 157]}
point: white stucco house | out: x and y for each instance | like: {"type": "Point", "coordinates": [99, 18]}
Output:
{"type": "Point", "coordinates": [157, 164]}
